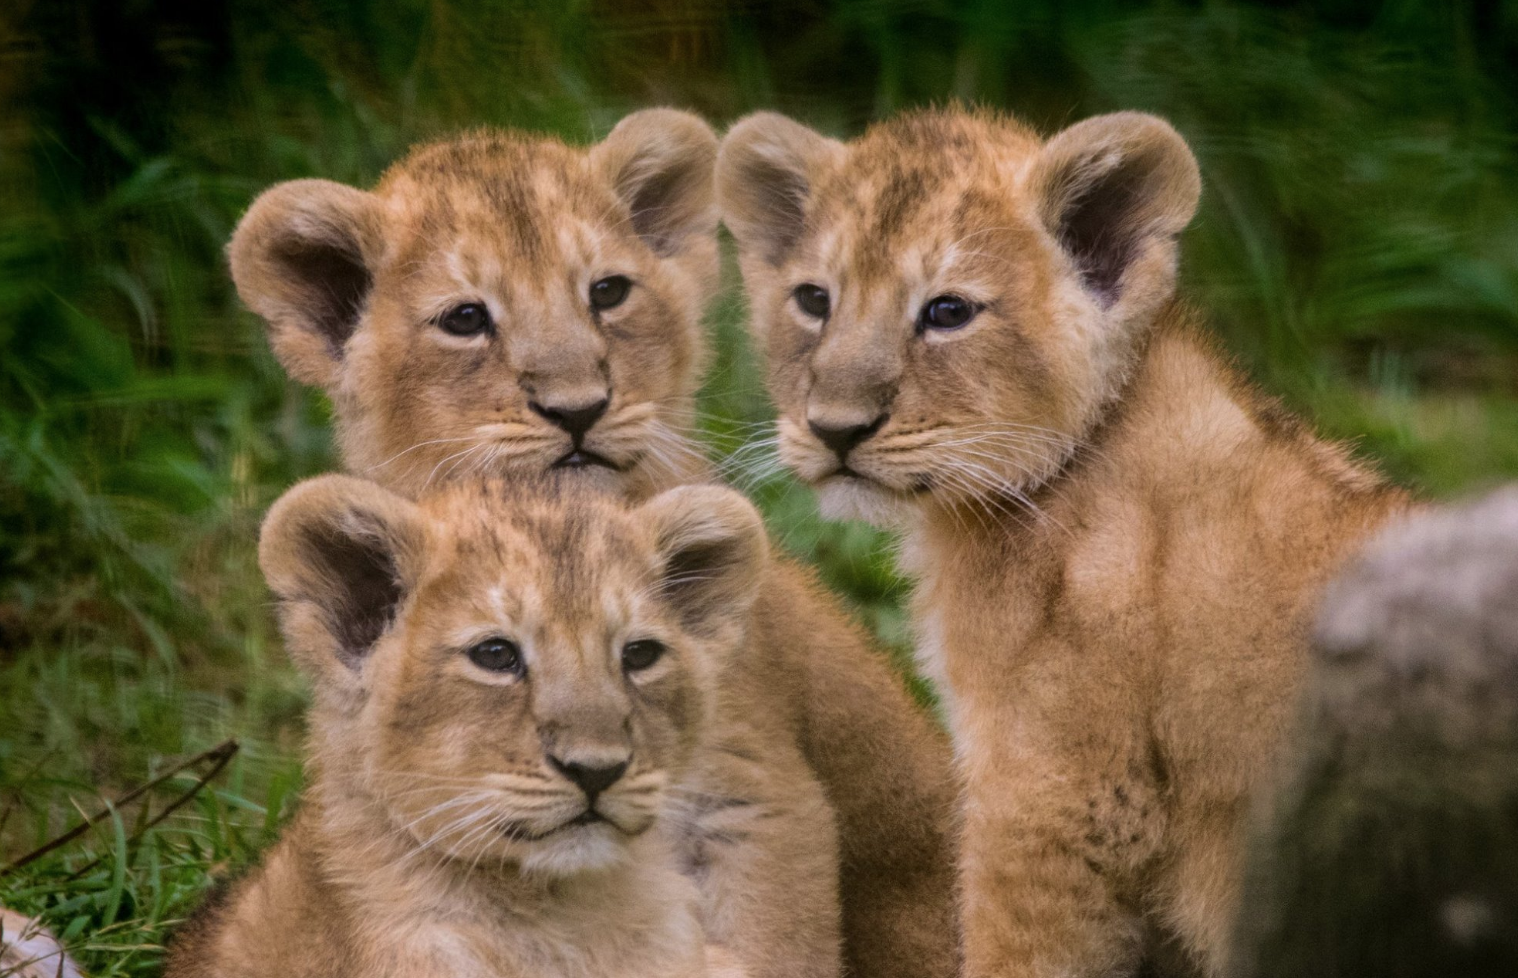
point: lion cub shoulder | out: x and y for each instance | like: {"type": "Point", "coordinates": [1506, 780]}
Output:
{"type": "Point", "coordinates": [510, 687]}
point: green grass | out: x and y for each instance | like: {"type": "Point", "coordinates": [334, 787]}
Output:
{"type": "Point", "coordinates": [1357, 248]}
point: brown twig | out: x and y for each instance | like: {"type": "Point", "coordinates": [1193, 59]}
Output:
{"type": "Point", "coordinates": [5, 816]}
{"type": "Point", "coordinates": [219, 755]}
{"type": "Point", "coordinates": [168, 810]}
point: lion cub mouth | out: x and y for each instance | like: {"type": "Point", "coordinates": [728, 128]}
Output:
{"type": "Point", "coordinates": [846, 476]}
{"type": "Point", "coordinates": [916, 485]}
{"type": "Point", "coordinates": [581, 458]}
{"type": "Point", "coordinates": [519, 833]}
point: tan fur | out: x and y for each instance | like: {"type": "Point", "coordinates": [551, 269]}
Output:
{"type": "Point", "coordinates": [352, 283]}
{"type": "Point", "coordinates": [1117, 543]}
{"type": "Point", "coordinates": [439, 833]}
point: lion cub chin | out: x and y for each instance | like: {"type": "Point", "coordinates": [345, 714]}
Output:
{"type": "Point", "coordinates": [1117, 542]}
{"type": "Point", "coordinates": [511, 685]}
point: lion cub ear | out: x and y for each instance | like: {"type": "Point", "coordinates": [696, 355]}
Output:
{"type": "Point", "coordinates": [341, 554]}
{"type": "Point", "coordinates": [766, 169]}
{"type": "Point", "coordinates": [713, 549]}
{"type": "Point", "coordinates": [1115, 191]}
{"type": "Point", "coordinates": [303, 258]}
{"type": "Point", "coordinates": [659, 162]}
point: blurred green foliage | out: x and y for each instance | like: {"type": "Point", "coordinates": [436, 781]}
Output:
{"type": "Point", "coordinates": [1357, 247]}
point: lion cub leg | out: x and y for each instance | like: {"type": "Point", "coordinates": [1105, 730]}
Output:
{"type": "Point", "coordinates": [1196, 896]}
{"type": "Point", "coordinates": [764, 853]}
{"type": "Point", "coordinates": [1053, 849]}
{"type": "Point", "coordinates": [721, 964]}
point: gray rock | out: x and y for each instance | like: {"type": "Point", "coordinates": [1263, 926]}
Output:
{"type": "Point", "coordinates": [1390, 848]}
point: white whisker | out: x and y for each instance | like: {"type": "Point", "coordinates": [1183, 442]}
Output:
{"type": "Point", "coordinates": [406, 451]}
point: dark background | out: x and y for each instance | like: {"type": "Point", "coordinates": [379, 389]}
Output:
{"type": "Point", "coordinates": [1357, 248]}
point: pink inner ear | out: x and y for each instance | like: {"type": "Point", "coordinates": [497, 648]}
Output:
{"type": "Point", "coordinates": [1108, 185]}
{"type": "Point", "coordinates": [1110, 209]}
{"type": "Point", "coordinates": [766, 168]}
{"type": "Point", "coordinates": [1099, 230]}
{"type": "Point", "coordinates": [777, 203]}
{"type": "Point", "coordinates": [330, 284]}
{"type": "Point", "coordinates": [353, 578]}
{"type": "Point", "coordinates": [661, 163]}
{"type": "Point", "coordinates": [667, 204]}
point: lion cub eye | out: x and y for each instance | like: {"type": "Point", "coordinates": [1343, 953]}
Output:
{"type": "Point", "coordinates": [946, 312]}
{"type": "Point", "coordinates": [642, 654]}
{"type": "Point", "coordinates": [497, 655]}
{"type": "Point", "coordinates": [470, 319]}
{"type": "Point", "coordinates": [813, 300]}
{"type": "Point", "coordinates": [609, 292]}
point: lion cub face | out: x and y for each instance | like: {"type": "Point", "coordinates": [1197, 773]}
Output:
{"type": "Point", "coordinates": [499, 302]}
{"type": "Point", "coordinates": [948, 302]}
{"type": "Point", "coordinates": [513, 676]}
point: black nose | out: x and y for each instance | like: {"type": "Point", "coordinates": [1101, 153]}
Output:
{"type": "Point", "coordinates": [592, 779]}
{"type": "Point", "coordinates": [843, 439]}
{"type": "Point", "coordinates": [575, 420]}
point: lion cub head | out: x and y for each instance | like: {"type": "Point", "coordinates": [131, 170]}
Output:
{"type": "Point", "coordinates": [509, 675]}
{"type": "Point", "coordinates": [949, 302]}
{"type": "Point", "coordinates": [500, 302]}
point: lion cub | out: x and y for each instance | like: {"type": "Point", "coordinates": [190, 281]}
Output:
{"type": "Point", "coordinates": [513, 693]}
{"type": "Point", "coordinates": [1117, 542]}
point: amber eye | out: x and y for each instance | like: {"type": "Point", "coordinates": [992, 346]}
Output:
{"type": "Point", "coordinates": [640, 655]}
{"type": "Point", "coordinates": [609, 292]}
{"type": "Point", "coordinates": [470, 319]}
{"type": "Point", "coordinates": [497, 655]}
{"type": "Point", "coordinates": [946, 312]}
{"type": "Point", "coordinates": [813, 300]}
